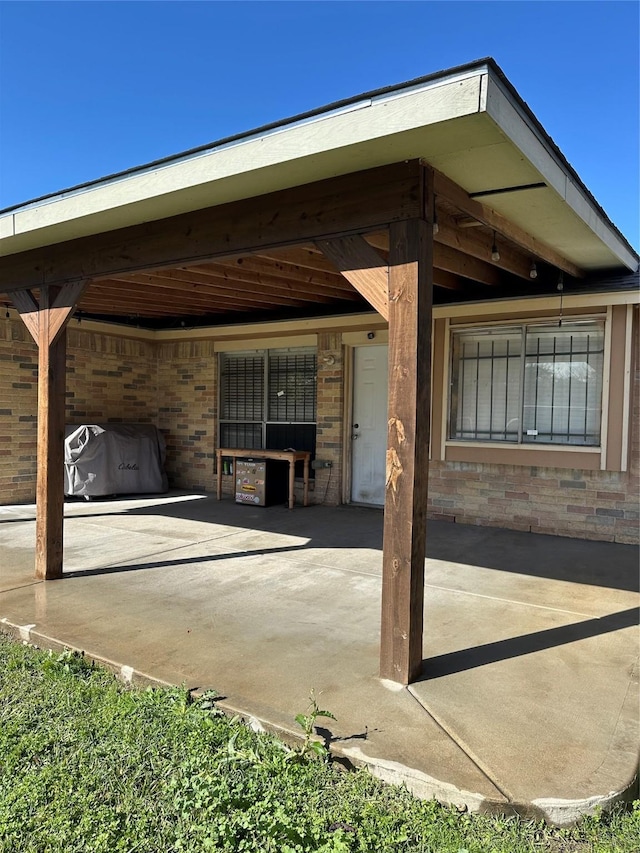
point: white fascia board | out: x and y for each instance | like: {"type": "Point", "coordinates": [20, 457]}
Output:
{"type": "Point", "coordinates": [7, 225]}
{"type": "Point", "coordinates": [371, 119]}
{"type": "Point", "coordinates": [512, 121]}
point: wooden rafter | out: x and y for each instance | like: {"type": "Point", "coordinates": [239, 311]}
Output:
{"type": "Point", "coordinates": [446, 280]}
{"type": "Point", "coordinates": [246, 277]}
{"type": "Point", "coordinates": [459, 263]}
{"type": "Point", "coordinates": [304, 257]}
{"type": "Point", "coordinates": [27, 306]}
{"type": "Point", "coordinates": [109, 298]}
{"type": "Point", "coordinates": [477, 244]}
{"type": "Point", "coordinates": [211, 289]}
{"type": "Point", "coordinates": [449, 260]}
{"type": "Point", "coordinates": [446, 188]}
{"type": "Point", "coordinates": [280, 270]}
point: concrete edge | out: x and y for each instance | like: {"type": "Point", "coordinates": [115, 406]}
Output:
{"type": "Point", "coordinates": [554, 811]}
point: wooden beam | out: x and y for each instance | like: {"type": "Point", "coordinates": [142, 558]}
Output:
{"type": "Point", "coordinates": [110, 299]}
{"type": "Point", "coordinates": [58, 314]}
{"type": "Point", "coordinates": [243, 276]}
{"type": "Point", "coordinates": [478, 244]}
{"type": "Point", "coordinates": [283, 271]}
{"type": "Point", "coordinates": [447, 280]}
{"type": "Point", "coordinates": [459, 263]}
{"type": "Point", "coordinates": [346, 204]}
{"type": "Point", "coordinates": [50, 452]}
{"type": "Point", "coordinates": [63, 307]}
{"type": "Point", "coordinates": [447, 189]}
{"type": "Point", "coordinates": [305, 257]}
{"type": "Point", "coordinates": [405, 512]}
{"type": "Point", "coordinates": [210, 289]}
{"type": "Point", "coordinates": [27, 307]}
{"type": "Point", "coordinates": [362, 266]}
{"type": "Point", "coordinates": [450, 260]}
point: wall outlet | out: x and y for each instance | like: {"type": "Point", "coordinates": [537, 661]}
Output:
{"type": "Point", "coordinates": [321, 463]}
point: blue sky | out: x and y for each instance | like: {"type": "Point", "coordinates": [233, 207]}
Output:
{"type": "Point", "coordinates": [90, 88]}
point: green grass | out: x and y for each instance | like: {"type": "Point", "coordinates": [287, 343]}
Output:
{"type": "Point", "coordinates": [89, 765]}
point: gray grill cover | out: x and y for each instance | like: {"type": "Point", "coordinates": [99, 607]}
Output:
{"type": "Point", "coordinates": [114, 459]}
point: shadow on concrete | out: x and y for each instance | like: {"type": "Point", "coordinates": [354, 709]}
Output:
{"type": "Point", "coordinates": [526, 644]}
{"type": "Point", "coordinates": [181, 561]}
{"type": "Point", "coordinates": [605, 564]}
{"type": "Point", "coordinates": [593, 563]}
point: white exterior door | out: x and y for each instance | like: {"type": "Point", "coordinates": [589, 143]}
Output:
{"type": "Point", "coordinates": [369, 424]}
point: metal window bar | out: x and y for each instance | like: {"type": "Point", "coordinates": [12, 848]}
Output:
{"type": "Point", "coordinates": [586, 392]}
{"type": "Point", "coordinates": [557, 369]}
{"type": "Point", "coordinates": [460, 389]}
{"type": "Point", "coordinates": [566, 371]}
{"type": "Point", "coordinates": [475, 423]}
{"type": "Point", "coordinates": [570, 379]}
{"type": "Point", "coordinates": [246, 380]}
{"type": "Point", "coordinates": [242, 384]}
{"type": "Point", "coordinates": [506, 394]}
{"type": "Point", "coordinates": [491, 393]}
{"type": "Point", "coordinates": [292, 388]}
{"type": "Point", "coordinates": [241, 435]}
{"type": "Point", "coordinates": [481, 392]}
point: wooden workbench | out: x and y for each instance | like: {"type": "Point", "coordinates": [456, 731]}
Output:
{"type": "Point", "coordinates": [290, 456]}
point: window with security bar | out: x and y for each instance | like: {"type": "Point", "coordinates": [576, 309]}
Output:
{"type": "Point", "coordinates": [292, 387]}
{"type": "Point", "coordinates": [268, 399]}
{"type": "Point", "coordinates": [528, 384]}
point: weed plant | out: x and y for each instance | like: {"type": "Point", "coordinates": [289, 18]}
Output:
{"type": "Point", "coordinates": [87, 764]}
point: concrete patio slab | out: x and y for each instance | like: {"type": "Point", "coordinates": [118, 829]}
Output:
{"type": "Point", "coordinates": [529, 698]}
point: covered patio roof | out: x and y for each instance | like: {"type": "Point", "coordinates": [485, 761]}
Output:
{"type": "Point", "coordinates": [443, 185]}
{"type": "Point", "coordinates": [469, 123]}
{"type": "Point", "coordinates": [505, 198]}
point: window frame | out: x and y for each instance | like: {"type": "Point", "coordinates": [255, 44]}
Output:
{"type": "Point", "coordinates": [522, 325]}
{"type": "Point", "coordinates": [263, 353]}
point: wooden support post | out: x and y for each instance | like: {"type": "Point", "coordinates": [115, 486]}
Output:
{"type": "Point", "coordinates": [410, 300]}
{"type": "Point", "coordinates": [47, 321]}
{"type": "Point", "coordinates": [50, 476]}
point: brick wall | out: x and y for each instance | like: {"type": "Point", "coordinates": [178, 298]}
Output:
{"type": "Point", "coordinates": [585, 504]}
{"type": "Point", "coordinates": [109, 378]}
{"type": "Point", "coordinates": [18, 407]}
{"type": "Point", "coordinates": [330, 409]}
{"type": "Point", "coordinates": [174, 386]}
{"type": "Point", "coordinates": [187, 374]}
